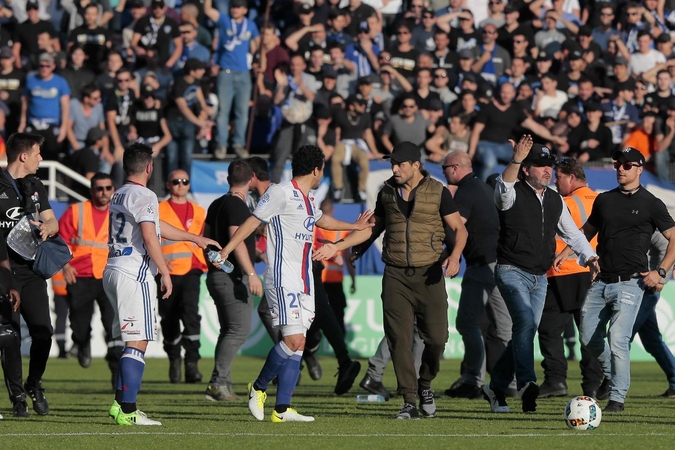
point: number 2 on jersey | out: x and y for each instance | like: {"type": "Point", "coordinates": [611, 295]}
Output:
{"type": "Point", "coordinates": [118, 237]}
{"type": "Point", "coordinates": [294, 300]}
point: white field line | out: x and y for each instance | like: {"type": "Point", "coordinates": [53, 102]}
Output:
{"type": "Point", "coordinates": [329, 435]}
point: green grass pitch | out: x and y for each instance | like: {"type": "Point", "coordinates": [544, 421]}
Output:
{"type": "Point", "coordinates": [79, 400]}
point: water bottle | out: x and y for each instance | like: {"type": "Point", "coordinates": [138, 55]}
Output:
{"type": "Point", "coordinates": [369, 398]}
{"type": "Point", "coordinates": [215, 258]}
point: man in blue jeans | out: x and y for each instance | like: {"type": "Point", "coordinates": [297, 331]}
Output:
{"type": "Point", "coordinates": [624, 219]}
{"type": "Point", "coordinates": [530, 215]}
{"type": "Point", "coordinates": [238, 39]}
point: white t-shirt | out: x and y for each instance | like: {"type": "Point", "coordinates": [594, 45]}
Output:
{"type": "Point", "coordinates": [131, 205]}
{"type": "Point", "coordinates": [640, 63]}
{"type": "Point", "coordinates": [549, 104]}
{"type": "Point", "coordinates": [290, 218]}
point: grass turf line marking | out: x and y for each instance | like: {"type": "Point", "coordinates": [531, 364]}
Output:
{"type": "Point", "coordinates": [169, 433]}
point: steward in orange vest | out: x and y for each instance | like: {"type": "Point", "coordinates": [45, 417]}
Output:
{"type": "Point", "coordinates": [84, 227]}
{"type": "Point", "coordinates": [186, 265]}
{"type": "Point", "coordinates": [61, 310]}
{"type": "Point", "coordinates": [566, 292]}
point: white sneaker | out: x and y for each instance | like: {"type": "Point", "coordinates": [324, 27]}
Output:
{"type": "Point", "coordinates": [290, 415]}
{"type": "Point", "coordinates": [497, 400]}
{"type": "Point", "coordinates": [135, 418]}
{"type": "Point", "coordinates": [256, 402]}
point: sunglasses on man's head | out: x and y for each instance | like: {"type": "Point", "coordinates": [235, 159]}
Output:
{"type": "Point", "coordinates": [625, 165]}
{"type": "Point", "coordinates": [103, 188]}
{"type": "Point", "coordinates": [183, 181]}
{"type": "Point", "coordinates": [565, 161]}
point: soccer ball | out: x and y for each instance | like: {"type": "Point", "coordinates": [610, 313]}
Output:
{"type": "Point", "coordinates": [583, 413]}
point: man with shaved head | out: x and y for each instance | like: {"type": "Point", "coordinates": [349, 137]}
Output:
{"type": "Point", "coordinates": [475, 203]}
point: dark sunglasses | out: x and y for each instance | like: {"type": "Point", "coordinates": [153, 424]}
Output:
{"type": "Point", "coordinates": [626, 165]}
{"type": "Point", "coordinates": [45, 66]}
{"type": "Point", "coordinates": [440, 75]}
{"type": "Point", "coordinates": [386, 58]}
{"type": "Point", "coordinates": [489, 32]}
{"type": "Point", "coordinates": [183, 181]}
{"type": "Point", "coordinates": [519, 42]}
{"type": "Point", "coordinates": [446, 166]}
{"type": "Point", "coordinates": [409, 106]}
{"type": "Point", "coordinates": [124, 80]}
{"type": "Point", "coordinates": [103, 188]}
{"type": "Point", "coordinates": [399, 33]}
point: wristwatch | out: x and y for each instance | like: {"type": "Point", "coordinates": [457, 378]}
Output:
{"type": "Point", "coordinates": [251, 274]}
{"type": "Point", "coordinates": [661, 271]}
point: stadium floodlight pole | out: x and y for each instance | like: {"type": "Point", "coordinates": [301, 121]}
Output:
{"type": "Point", "coordinates": [251, 115]}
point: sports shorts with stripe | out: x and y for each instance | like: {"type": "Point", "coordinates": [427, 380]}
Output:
{"type": "Point", "coordinates": [292, 312]}
{"type": "Point", "coordinates": [135, 305]}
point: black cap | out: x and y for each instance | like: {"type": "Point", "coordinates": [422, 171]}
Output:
{"type": "Point", "coordinates": [135, 4]}
{"type": "Point", "coordinates": [543, 56]}
{"type": "Point", "coordinates": [329, 72]}
{"type": "Point", "coordinates": [585, 30]}
{"type": "Point", "coordinates": [470, 77]}
{"type": "Point", "coordinates": [159, 3]}
{"type": "Point", "coordinates": [620, 60]}
{"type": "Point", "coordinates": [540, 156]}
{"type": "Point", "coordinates": [32, 5]}
{"type": "Point", "coordinates": [663, 37]}
{"type": "Point", "coordinates": [363, 27]}
{"type": "Point", "coordinates": [193, 64]}
{"type": "Point", "coordinates": [304, 8]}
{"type": "Point", "coordinates": [356, 98]}
{"type": "Point", "coordinates": [591, 107]}
{"type": "Point", "coordinates": [366, 79]}
{"type": "Point", "coordinates": [94, 134]}
{"type": "Point", "coordinates": [148, 91]}
{"type": "Point", "coordinates": [573, 109]}
{"type": "Point", "coordinates": [435, 104]}
{"type": "Point", "coordinates": [629, 154]}
{"type": "Point", "coordinates": [6, 53]}
{"type": "Point", "coordinates": [510, 9]}
{"type": "Point", "coordinates": [575, 55]}
{"type": "Point", "coordinates": [466, 54]}
{"type": "Point", "coordinates": [403, 152]}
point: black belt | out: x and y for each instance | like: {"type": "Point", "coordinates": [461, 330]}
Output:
{"type": "Point", "coordinates": [610, 278]}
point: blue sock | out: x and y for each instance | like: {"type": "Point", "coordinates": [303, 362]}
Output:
{"type": "Point", "coordinates": [131, 370]}
{"type": "Point", "coordinates": [275, 361]}
{"type": "Point", "coordinates": [288, 378]}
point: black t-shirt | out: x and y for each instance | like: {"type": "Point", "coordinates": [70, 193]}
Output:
{"type": "Point", "coordinates": [147, 122]}
{"type": "Point", "coordinates": [625, 224]}
{"type": "Point", "coordinates": [94, 43]}
{"type": "Point", "coordinates": [423, 103]}
{"type": "Point", "coordinates": [350, 127]}
{"type": "Point", "coordinates": [77, 79]}
{"type": "Point", "coordinates": [157, 37]}
{"type": "Point", "coordinates": [225, 212]}
{"type": "Point", "coordinates": [505, 39]}
{"type": "Point", "coordinates": [27, 35]}
{"type": "Point", "coordinates": [359, 15]}
{"type": "Point", "coordinates": [106, 84]}
{"type": "Point", "coordinates": [654, 99]}
{"type": "Point", "coordinates": [447, 205]}
{"type": "Point", "coordinates": [123, 104]}
{"type": "Point", "coordinates": [462, 40]}
{"type": "Point", "coordinates": [404, 62]}
{"type": "Point", "coordinates": [500, 125]}
{"type": "Point", "coordinates": [475, 203]}
{"type": "Point", "coordinates": [188, 91]}
{"type": "Point", "coordinates": [13, 83]}
{"type": "Point", "coordinates": [12, 208]}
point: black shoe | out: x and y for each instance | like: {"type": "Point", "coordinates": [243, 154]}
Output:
{"type": "Point", "coordinates": [547, 390]}
{"type": "Point", "coordinates": [603, 390]}
{"type": "Point", "coordinates": [374, 387]}
{"type": "Point", "coordinates": [529, 395]}
{"type": "Point", "coordinates": [20, 406]}
{"type": "Point", "coordinates": [346, 376]}
{"type": "Point", "coordinates": [613, 406]}
{"type": "Point", "coordinates": [313, 366]}
{"type": "Point", "coordinates": [174, 370]}
{"type": "Point", "coordinates": [427, 403]}
{"type": "Point", "coordinates": [37, 394]}
{"type": "Point", "coordinates": [464, 390]}
{"type": "Point", "coordinates": [192, 373]}
{"type": "Point", "coordinates": [408, 412]}
{"type": "Point", "coordinates": [84, 355]}
{"type": "Point", "coordinates": [670, 393]}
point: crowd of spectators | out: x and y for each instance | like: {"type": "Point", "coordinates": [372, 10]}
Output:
{"type": "Point", "coordinates": [355, 77]}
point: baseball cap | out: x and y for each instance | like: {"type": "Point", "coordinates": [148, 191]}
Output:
{"type": "Point", "coordinates": [543, 56]}
{"type": "Point", "coordinates": [159, 3]}
{"type": "Point", "coordinates": [592, 107]}
{"type": "Point", "coordinates": [366, 79]}
{"type": "Point", "coordinates": [193, 64]}
{"type": "Point", "coordinates": [470, 77]}
{"type": "Point", "coordinates": [403, 152]}
{"type": "Point", "coordinates": [5, 52]}
{"type": "Point", "coordinates": [540, 156]}
{"type": "Point", "coordinates": [575, 55]}
{"type": "Point", "coordinates": [135, 4]}
{"type": "Point", "coordinates": [573, 109]}
{"type": "Point", "coordinates": [629, 154]}
{"type": "Point", "coordinates": [585, 30]}
{"type": "Point", "coordinates": [94, 134]}
{"type": "Point", "coordinates": [46, 57]}
{"type": "Point", "coordinates": [435, 104]}
{"type": "Point", "coordinates": [304, 8]}
{"type": "Point", "coordinates": [663, 37]}
{"type": "Point", "coordinates": [148, 91]}
{"type": "Point", "coordinates": [355, 98]}
{"type": "Point", "coordinates": [363, 27]}
{"type": "Point", "coordinates": [466, 54]}
{"type": "Point", "coordinates": [329, 72]}
{"type": "Point", "coordinates": [620, 60]}
{"type": "Point", "coordinates": [510, 9]}
{"type": "Point", "coordinates": [32, 5]}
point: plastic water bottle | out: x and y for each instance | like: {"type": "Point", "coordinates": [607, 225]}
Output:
{"type": "Point", "coordinates": [215, 258]}
{"type": "Point", "coordinates": [369, 398]}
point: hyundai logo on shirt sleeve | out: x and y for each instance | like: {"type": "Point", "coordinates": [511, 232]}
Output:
{"type": "Point", "coordinates": [309, 224]}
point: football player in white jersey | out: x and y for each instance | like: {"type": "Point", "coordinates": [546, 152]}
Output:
{"type": "Point", "coordinates": [134, 257]}
{"type": "Point", "coordinates": [290, 213]}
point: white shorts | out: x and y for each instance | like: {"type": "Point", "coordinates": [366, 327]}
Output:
{"type": "Point", "coordinates": [135, 305]}
{"type": "Point", "coordinates": [292, 312]}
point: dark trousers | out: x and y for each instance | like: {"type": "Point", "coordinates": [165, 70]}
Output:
{"type": "Point", "coordinates": [61, 311]}
{"type": "Point", "coordinates": [338, 302]}
{"type": "Point", "coordinates": [564, 297]}
{"type": "Point", "coordinates": [81, 299]}
{"type": "Point", "coordinates": [35, 311]}
{"type": "Point", "coordinates": [182, 306]}
{"type": "Point", "coordinates": [410, 294]}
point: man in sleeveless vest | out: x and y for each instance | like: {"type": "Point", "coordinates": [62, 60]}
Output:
{"type": "Point", "coordinates": [567, 287]}
{"type": "Point", "coordinates": [186, 265]}
{"type": "Point", "coordinates": [530, 215]}
{"type": "Point", "coordinates": [412, 208]}
{"type": "Point", "coordinates": [84, 227]}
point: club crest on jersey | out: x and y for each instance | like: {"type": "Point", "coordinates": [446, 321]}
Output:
{"type": "Point", "coordinates": [264, 201]}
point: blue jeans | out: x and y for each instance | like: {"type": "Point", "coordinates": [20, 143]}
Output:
{"type": "Point", "coordinates": [489, 154]}
{"type": "Point", "coordinates": [618, 304]}
{"type": "Point", "coordinates": [648, 329]}
{"type": "Point", "coordinates": [524, 295]}
{"type": "Point", "coordinates": [178, 154]}
{"type": "Point", "coordinates": [661, 160]}
{"type": "Point", "coordinates": [234, 92]}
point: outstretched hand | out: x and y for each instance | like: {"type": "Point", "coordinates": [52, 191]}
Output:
{"type": "Point", "coordinates": [363, 221]}
{"type": "Point", "coordinates": [326, 251]}
{"type": "Point", "coordinates": [522, 148]}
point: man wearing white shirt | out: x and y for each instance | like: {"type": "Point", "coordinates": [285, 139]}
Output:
{"type": "Point", "coordinates": [645, 58]}
{"type": "Point", "coordinates": [549, 99]}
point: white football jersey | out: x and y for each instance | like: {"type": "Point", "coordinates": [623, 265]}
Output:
{"type": "Point", "coordinates": [290, 218]}
{"type": "Point", "coordinates": [131, 205]}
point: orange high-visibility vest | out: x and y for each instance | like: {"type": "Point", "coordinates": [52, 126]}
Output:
{"type": "Point", "coordinates": [85, 242]}
{"type": "Point", "coordinates": [178, 254]}
{"type": "Point", "coordinates": [332, 272]}
{"type": "Point", "coordinates": [59, 284]}
{"type": "Point", "coordinates": [580, 204]}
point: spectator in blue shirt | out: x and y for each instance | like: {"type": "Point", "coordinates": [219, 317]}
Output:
{"type": "Point", "coordinates": [191, 48]}
{"type": "Point", "coordinates": [363, 52]}
{"type": "Point", "coordinates": [46, 107]}
{"type": "Point", "coordinates": [603, 32]}
{"type": "Point", "coordinates": [238, 38]}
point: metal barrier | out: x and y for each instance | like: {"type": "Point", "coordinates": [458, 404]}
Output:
{"type": "Point", "coordinates": [54, 183]}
